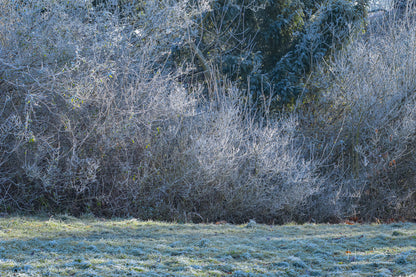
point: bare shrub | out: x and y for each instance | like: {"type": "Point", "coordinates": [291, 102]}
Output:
{"type": "Point", "coordinates": [84, 89]}
{"type": "Point", "coordinates": [249, 168]}
{"type": "Point", "coordinates": [93, 119]}
{"type": "Point", "coordinates": [363, 125]}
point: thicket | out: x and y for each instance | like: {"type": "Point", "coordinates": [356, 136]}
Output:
{"type": "Point", "coordinates": [362, 121]}
{"type": "Point", "coordinates": [139, 110]}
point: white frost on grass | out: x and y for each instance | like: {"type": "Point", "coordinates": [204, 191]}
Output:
{"type": "Point", "coordinates": [92, 247]}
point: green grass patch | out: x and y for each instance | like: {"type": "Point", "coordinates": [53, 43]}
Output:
{"type": "Point", "coordinates": [67, 246]}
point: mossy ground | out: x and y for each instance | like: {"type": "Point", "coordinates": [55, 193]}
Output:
{"type": "Point", "coordinates": [67, 246]}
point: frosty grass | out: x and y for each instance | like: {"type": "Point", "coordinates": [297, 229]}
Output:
{"type": "Point", "coordinates": [66, 246]}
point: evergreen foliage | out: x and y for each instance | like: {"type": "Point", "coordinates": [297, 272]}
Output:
{"type": "Point", "coordinates": [269, 46]}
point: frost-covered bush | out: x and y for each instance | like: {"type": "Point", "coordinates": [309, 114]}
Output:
{"type": "Point", "coordinates": [363, 125]}
{"type": "Point", "coordinates": [254, 169]}
{"type": "Point", "coordinates": [82, 93]}
{"type": "Point", "coordinates": [94, 119]}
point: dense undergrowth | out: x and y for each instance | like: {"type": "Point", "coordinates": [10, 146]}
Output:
{"type": "Point", "coordinates": [95, 118]}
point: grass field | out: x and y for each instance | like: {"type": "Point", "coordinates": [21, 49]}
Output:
{"type": "Point", "coordinates": [67, 246]}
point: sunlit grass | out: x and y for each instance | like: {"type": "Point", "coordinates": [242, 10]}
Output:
{"type": "Point", "coordinates": [67, 246]}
